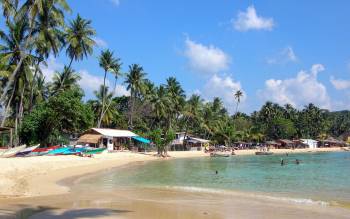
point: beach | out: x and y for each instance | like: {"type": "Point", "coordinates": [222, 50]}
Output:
{"type": "Point", "coordinates": [47, 180]}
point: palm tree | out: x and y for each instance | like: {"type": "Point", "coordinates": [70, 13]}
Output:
{"type": "Point", "coordinates": [49, 38]}
{"type": "Point", "coordinates": [79, 40]}
{"type": "Point", "coordinates": [108, 63]}
{"type": "Point", "coordinates": [177, 99]}
{"type": "Point", "coordinates": [65, 80]}
{"type": "Point", "coordinates": [28, 13]}
{"type": "Point", "coordinates": [192, 112]}
{"type": "Point", "coordinates": [135, 84]}
{"type": "Point", "coordinates": [238, 95]}
{"type": "Point", "coordinates": [97, 106]}
{"type": "Point", "coordinates": [10, 54]}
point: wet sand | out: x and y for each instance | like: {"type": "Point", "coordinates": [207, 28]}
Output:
{"type": "Point", "coordinates": [159, 203]}
{"type": "Point", "coordinates": [42, 200]}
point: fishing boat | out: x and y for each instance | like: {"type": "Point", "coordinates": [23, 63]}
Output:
{"type": "Point", "coordinates": [12, 151]}
{"type": "Point", "coordinates": [58, 151]}
{"type": "Point", "coordinates": [94, 151]}
{"type": "Point", "coordinates": [263, 153]}
{"type": "Point", "coordinates": [73, 151]}
{"type": "Point", "coordinates": [26, 151]}
{"type": "Point", "coordinates": [219, 154]}
{"type": "Point", "coordinates": [43, 151]}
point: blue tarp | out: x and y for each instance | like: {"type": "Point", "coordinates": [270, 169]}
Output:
{"type": "Point", "coordinates": [140, 139]}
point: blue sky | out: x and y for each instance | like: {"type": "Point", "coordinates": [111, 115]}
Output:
{"type": "Point", "coordinates": [284, 51]}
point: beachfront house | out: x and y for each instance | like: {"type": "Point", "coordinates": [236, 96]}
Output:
{"type": "Point", "coordinates": [310, 143]}
{"type": "Point", "coordinates": [331, 142]}
{"type": "Point", "coordinates": [183, 142]}
{"type": "Point", "coordinates": [285, 143]}
{"type": "Point", "coordinates": [112, 139]}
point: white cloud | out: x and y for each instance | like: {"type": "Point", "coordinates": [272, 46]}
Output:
{"type": "Point", "coordinates": [120, 90]}
{"type": "Point", "coordinates": [249, 20]}
{"type": "Point", "coordinates": [88, 82]}
{"type": "Point", "coordinates": [299, 91]}
{"type": "Point", "coordinates": [206, 59]}
{"type": "Point", "coordinates": [52, 66]}
{"type": "Point", "coordinates": [115, 2]}
{"type": "Point", "coordinates": [340, 84]}
{"type": "Point", "coordinates": [286, 55]}
{"type": "Point", "coordinates": [100, 42]}
{"type": "Point", "coordinates": [223, 87]}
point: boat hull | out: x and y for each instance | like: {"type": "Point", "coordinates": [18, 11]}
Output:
{"type": "Point", "coordinates": [263, 153]}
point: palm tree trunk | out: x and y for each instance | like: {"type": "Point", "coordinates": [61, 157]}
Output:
{"type": "Point", "coordinates": [103, 101]}
{"type": "Point", "coordinates": [23, 56]}
{"type": "Point", "coordinates": [131, 110]}
{"type": "Point", "coordinates": [20, 111]}
{"type": "Point", "coordinates": [70, 63]}
{"type": "Point", "coordinates": [8, 106]}
{"type": "Point", "coordinates": [32, 88]}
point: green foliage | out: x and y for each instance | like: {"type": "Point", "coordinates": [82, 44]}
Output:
{"type": "Point", "coordinates": [281, 128]}
{"type": "Point", "coordinates": [60, 115]}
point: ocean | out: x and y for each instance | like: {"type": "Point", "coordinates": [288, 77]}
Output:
{"type": "Point", "coordinates": [319, 178]}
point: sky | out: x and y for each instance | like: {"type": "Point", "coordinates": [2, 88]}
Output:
{"type": "Point", "coordinates": [287, 51]}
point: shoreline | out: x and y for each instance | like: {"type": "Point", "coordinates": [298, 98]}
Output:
{"type": "Point", "coordinates": [63, 184]}
{"type": "Point", "coordinates": [19, 176]}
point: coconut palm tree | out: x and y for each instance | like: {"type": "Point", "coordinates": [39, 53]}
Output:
{"type": "Point", "coordinates": [65, 80]}
{"type": "Point", "coordinates": [108, 63]}
{"type": "Point", "coordinates": [49, 38]}
{"type": "Point", "coordinates": [238, 95]}
{"type": "Point", "coordinates": [79, 39]}
{"type": "Point", "coordinates": [135, 84]}
{"type": "Point", "coordinates": [28, 13]}
{"type": "Point", "coordinates": [177, 98]}
{"type": "Point", "coordinates": [97, 106]}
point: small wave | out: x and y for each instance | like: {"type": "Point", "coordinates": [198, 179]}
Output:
{"type": "Point", "coordinates": [250, 195]}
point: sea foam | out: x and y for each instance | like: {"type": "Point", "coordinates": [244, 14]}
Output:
{"type": "Point", "coordinates": [249, 195]}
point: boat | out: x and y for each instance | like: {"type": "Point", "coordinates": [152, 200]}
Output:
{"type": "Point", "coordinates": [12, 151]}
{"type": "Point", "coordinates": [219, 154]}
{"type": "Point", "coordinates": [26, 151]}
{"type": "Point", "coordinates": [263, 153]}
{"type": "Point", "coordinates": [58, 151]}
{"type": "Point", "coordinates": [43, 151]}
{"type": "Point", "coordinates": [73, 151]}
{"type": "Point", "coordinates": [94, 151]}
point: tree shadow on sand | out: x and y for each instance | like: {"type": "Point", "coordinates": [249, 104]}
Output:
{"type": "Point", "coordinates": [46, 212]}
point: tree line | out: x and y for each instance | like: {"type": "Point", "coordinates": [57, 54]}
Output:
{"type": "Point", "coordinates": [47, 112]}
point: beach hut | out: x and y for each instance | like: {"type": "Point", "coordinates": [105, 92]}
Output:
{"type": "Point", "coordinates": [331, 142]}
{"type": "Point", "coordinates": [285, 143]}
{"type": "Point", "coordinates": [112, 139]}
{"type": "Point", "coordinates": [272, 144]}
{"type": "Point", "coordinates": [196, 144]}
{"type": "Point", "coordinates": [183, 142]}
{"type": "Point", "coordinates": [310, 143]}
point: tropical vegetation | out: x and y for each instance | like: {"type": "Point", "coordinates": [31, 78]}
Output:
{"type": "Point", "coordinates": [48, 110]}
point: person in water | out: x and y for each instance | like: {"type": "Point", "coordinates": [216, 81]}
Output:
{"type": "Point", "coordinates": [297, 161]}
{"type": "Point", "coordinates": [216, 172]}
{"type": "Point", "coordinates": [282, 162]}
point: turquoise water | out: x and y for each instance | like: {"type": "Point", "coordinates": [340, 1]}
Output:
{"type": "Point", "coordinates": [319, 176]}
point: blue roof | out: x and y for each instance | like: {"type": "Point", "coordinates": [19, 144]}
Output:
{"type": "Point", "coordinates": [140, 139]}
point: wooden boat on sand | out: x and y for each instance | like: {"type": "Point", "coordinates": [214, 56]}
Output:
{"type": "Point", "coordinates": [219, 154]}
{"type": "Point", "coordinates": [12, 151]}
{"type": "Point", "coordinates": [94, 151]}
{"type": "Point", "coordinates": [26, 151]}
{"type": "Point", "coordinates": [263, 153]}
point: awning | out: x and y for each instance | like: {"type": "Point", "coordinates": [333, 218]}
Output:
{"type": "Point", "coordinates": [89, 138]}
{"type": "Point", "coordinates": [142, 140]}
